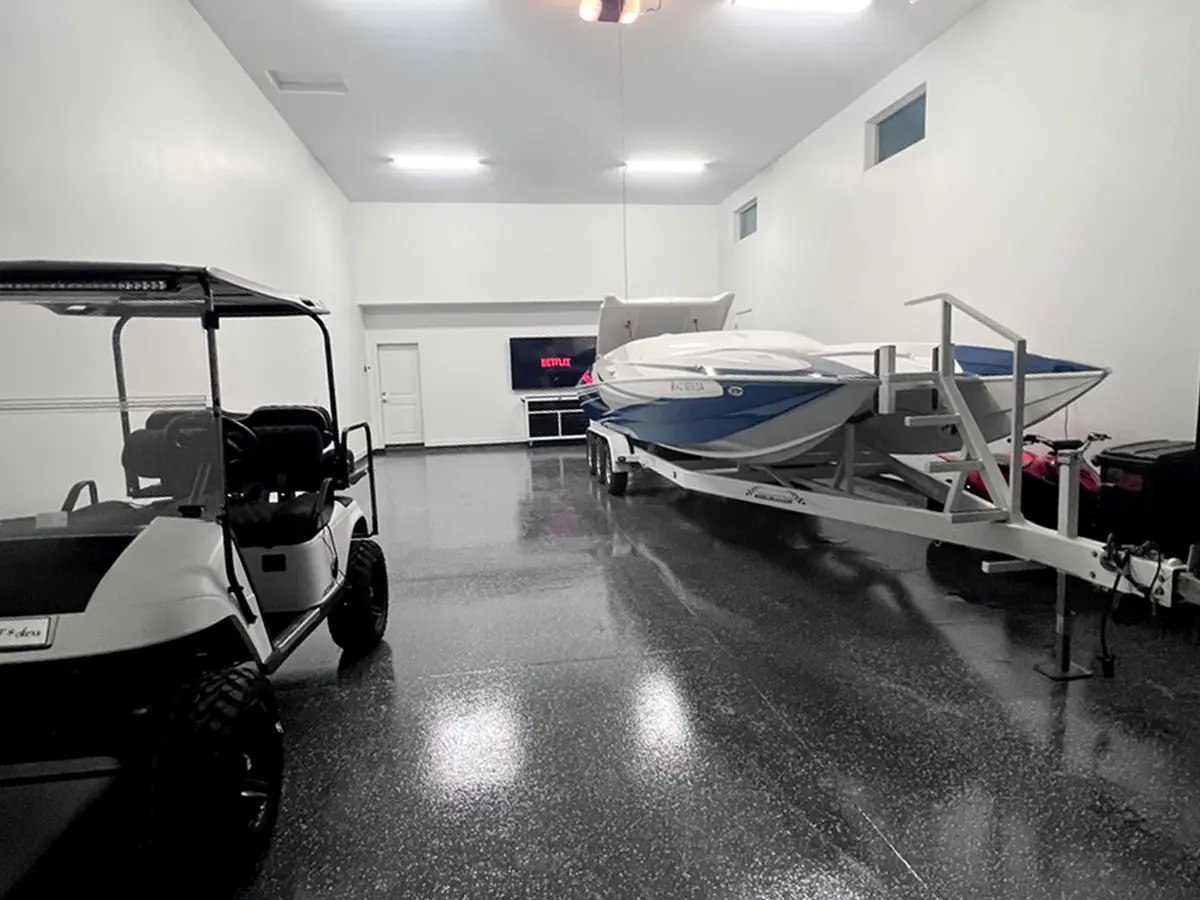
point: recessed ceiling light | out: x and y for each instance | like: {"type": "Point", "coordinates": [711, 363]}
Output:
{"type": "Point", "coordinates": [307, 82]}
{"type": "Point", "coordinates": [665, 166]}
{"type": "Point", "coordinates": [827, 6]}
{"type": "Point", "coordinates": [625, 12]}
{"type": "Point", "coordinates": [435, 163]}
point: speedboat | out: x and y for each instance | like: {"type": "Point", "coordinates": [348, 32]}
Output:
{"type": "Point", "coordinates": [745, 395]}
{"type": "Point", "coordinates": [668, 374]}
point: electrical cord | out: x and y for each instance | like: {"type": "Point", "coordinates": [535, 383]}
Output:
{"type": "Point", "coordinates": [330, 541]}
{"type": "Point", "coordinates": [624, 159]}
{"type": "Point", "coordinates": [1121, 559]}
{"type": "Point", "coordinates": [331, 545]}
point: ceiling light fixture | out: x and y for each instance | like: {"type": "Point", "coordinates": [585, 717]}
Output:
{"type": "Point", "coordinates": [665, 166]}
{"type": "Point", "coordinates": [624, 12]}
{"type": "Point", "coordinates": [430, 163]}
{"type": "Point", "coordinates": [824, 6]}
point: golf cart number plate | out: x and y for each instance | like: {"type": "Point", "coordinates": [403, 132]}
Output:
{"type": "Point", "coordinates": [25, 634]}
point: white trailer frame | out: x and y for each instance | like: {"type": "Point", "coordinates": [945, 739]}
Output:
{"type": "Point", "coordinates": [848, 480]}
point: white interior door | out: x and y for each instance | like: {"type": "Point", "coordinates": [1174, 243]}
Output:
{"type": "Point", "coordinates": [400, 394]}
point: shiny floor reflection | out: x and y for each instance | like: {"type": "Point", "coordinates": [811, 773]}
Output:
{"type": "Point", "coordinates": [668, 696]}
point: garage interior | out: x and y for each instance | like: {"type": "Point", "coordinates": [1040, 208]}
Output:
{"type": "Point", "coordinates": [662, 694]}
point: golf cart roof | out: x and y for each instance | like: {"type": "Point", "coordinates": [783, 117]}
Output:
{"type": "Point", "coordinates": [154, 290]}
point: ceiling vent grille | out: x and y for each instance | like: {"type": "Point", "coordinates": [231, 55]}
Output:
{"type": "Point", "coordinates": [307, 82]}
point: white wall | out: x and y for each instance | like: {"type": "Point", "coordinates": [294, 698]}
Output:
{"type": "Point", "coordinates": [129, 132]}
{"type": "Point", "coordinates": [474, 275]}
{"type": "Point", "coordinates": [1058, 189]}
{"type": "Point", "coordinates": [468, 252]}
{"type": "Point", "coordinates": [466, 390]}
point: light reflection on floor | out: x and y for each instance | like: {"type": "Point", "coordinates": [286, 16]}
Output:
{"type": "Point", "coordinates": [663, 730]}
{"type": "Point", "coordinates": [474, 745]}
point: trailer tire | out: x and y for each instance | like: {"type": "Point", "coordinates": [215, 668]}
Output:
{"type": "Point", "coordinates": [359, 615]}
{"type": "Point", "coordinates": [602, 462]}
{"type": "Point", "coordinates": [216, 776]}
{"type": "Point", "coordinates": [616, 482]}
{"type": "Point", "coordinates": [592, 447]}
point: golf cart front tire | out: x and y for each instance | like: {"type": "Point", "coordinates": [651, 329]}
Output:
{"type": "Point", "coordinates": [359, 615]}
{"type": "Point", "coordinates": [216, 776]}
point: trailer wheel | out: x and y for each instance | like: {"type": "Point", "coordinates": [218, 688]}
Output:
{"type": "Point", "coordinates": [601, 461]}
{"type": "Point", "coordinates": [216, 776]}
{"type": "Point", "coordinates": [360, 613]}
{"type": "Point", "coordinates": [616, 482]}
{"type": "Point", "coordinates": [592, 445]}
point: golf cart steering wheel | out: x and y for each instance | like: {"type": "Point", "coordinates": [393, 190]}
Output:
{"type": "Point", "coordinates": [181, 431]}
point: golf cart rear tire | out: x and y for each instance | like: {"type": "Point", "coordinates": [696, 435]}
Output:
{"type": "Point", "coordinates": [359, 615]}
{"type": "Point", "coordinates": [216, 777]}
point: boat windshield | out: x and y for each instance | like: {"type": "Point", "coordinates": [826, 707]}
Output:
{"type": "Point", "coordinates": [75, 459]}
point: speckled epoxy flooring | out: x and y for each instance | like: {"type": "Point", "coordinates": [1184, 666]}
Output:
{"type": "Point", "coordinates": [669, 696]}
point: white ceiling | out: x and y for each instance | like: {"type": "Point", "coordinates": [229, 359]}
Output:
{"type": "Point", "coordinates": [534, 90]}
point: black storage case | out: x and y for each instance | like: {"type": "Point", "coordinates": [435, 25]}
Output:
{"type": "Point", "coordinates": [1150, 494]}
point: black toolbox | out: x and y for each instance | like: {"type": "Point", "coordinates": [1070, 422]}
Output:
{"type": "Point", "coordinates": [1149, 494]}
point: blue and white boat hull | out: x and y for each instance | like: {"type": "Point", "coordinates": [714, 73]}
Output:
{"type": "Point", "coordinates": [715, 395]}
{"type": "Point", "coordinates": [984, 378]}
{"type": "Point", "coordinates": [765, 397]}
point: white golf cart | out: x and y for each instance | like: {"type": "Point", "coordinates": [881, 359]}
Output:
{"type": "Point", "coordinates": [160, 555]}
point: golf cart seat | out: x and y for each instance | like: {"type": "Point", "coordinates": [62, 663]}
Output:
{"type": "Point", "coordinates": [288, 461]}
{"type": "Point", "coordinates": [270, 416]}
{"type": "Point", "coordinates": [334, 463]}
{"type": "Point", "coordinates": [148, 456]}
{"type": "Point", "coordinates": [144, 455]}
{"type": "Point", "coordinates": [161, 418]}
{"type": "Point", "coordinates": [283, 523]}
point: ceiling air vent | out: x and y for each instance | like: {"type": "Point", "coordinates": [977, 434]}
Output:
{"type": "Point", "coordinates": [308, 82]}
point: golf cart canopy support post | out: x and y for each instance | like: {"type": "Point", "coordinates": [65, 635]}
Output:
{"type": "Point", "coordinates": [211, 322]}
{"type": "Point", "coordinates": [122, 392]}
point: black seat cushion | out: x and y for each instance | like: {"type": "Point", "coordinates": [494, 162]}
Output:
{"type": "Point", "coordinates": [261, 523]}
{"type": "Point", "coordinates": [277, 416]}
{"type": "Point", "coordinates": [285, 458]}
{"type": "Point", "coordinates": [145, 454]}
{"type": "Point", "coordinates": [148, 455]}
{"type": "Point", "coordinates": [161, 418]}
{"type": "Point", "coordinates": [334, 462]}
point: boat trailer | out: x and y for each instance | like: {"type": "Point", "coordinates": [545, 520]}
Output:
{"type": "Point", "coordinates": [848, 480]}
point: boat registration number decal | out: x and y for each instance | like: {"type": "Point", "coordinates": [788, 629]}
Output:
{"type": "Point", "coordinates": [687, 387]}
{"type": "Point", "coordinates": [26, 634]}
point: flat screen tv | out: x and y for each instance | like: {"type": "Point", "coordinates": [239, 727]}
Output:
{"type": "Point", "coordinates": [550, 362]}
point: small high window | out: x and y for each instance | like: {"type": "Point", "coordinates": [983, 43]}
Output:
{"type": "Point", "coordinates": [747, 220]}
{"type": "Point", "coordinates": [896, 128]}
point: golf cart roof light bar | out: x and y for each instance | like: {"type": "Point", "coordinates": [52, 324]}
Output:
{"type": "Point", "coordinates": [135, 290]}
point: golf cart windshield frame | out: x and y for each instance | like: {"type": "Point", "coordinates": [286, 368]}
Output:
{"type": "Point", "coordinates": [126, 291]}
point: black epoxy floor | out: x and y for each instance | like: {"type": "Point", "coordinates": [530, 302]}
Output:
{"type": "Point", "coordinates": [670, 696]}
